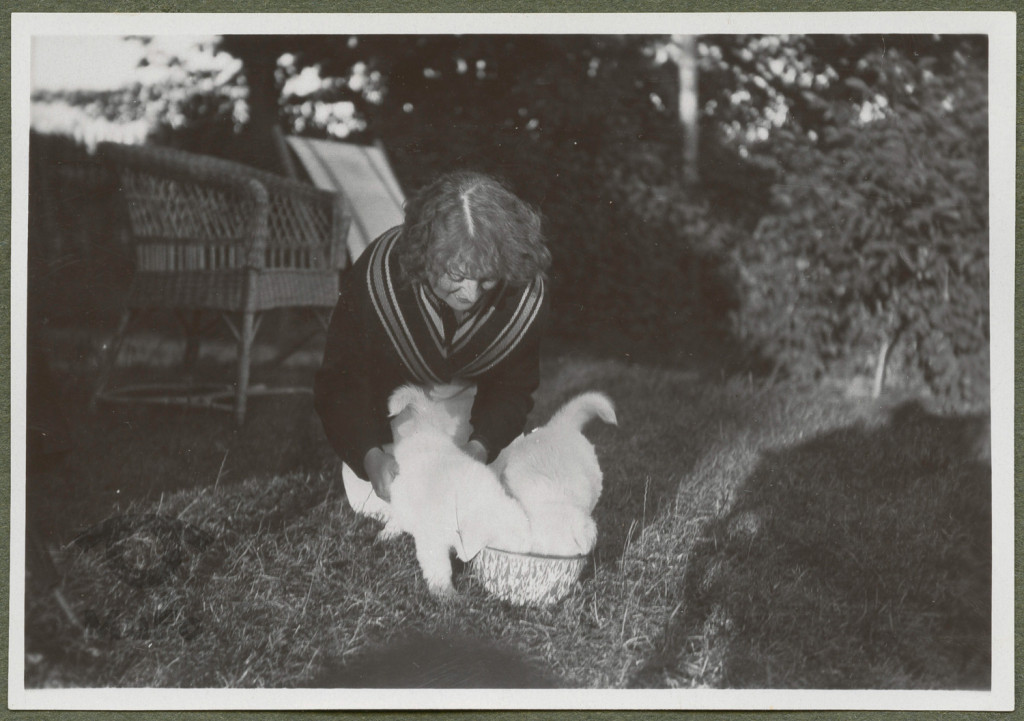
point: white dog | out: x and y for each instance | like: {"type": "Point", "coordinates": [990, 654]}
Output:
{"type": "Point", "coordinates": [554, 472]}
{"type": "Point", "coordinates": [454, 399]}
{"type": "Point", "coordinates": [443, 497]}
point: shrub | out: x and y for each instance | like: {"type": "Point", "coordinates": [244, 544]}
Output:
{"type": "Point", "coordinates": [877, 241]}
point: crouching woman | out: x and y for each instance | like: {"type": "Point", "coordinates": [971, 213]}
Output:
{"type": "Point", "coordinates": [454, 300]}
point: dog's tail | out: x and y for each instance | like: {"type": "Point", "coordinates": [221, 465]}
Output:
{"type": "Point", "coordinates": [405, 396]}
{"type": "Point", "coordinates": [578, 412]}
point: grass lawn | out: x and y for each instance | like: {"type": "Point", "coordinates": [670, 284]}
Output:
{"type": "Point", "coordinates": [749, 537]}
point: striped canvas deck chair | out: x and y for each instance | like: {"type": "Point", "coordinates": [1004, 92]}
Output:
{"type": "Point", "coordinates": [363, 175]}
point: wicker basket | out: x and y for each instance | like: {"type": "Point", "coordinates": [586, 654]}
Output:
{"type": "Point", "coordinates": [526, 579]}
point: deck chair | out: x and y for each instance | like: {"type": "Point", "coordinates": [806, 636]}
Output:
{"type": "Point", "coordinates": [210, 236]}
{"type": "Point", "coordinates": [362, 174]}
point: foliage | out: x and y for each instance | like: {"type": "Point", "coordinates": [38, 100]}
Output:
{"type": "Point", "coordinates": [77, 269]}
{"type": "Point", "coordinates": [196, 100]}
{"type": "Point", "coordinates": [843, 194]}
{"type": "Point", "coordinates": [825, 144]}
{"type": "Point", "coordinates": [582, 126]}
{"type": "Point", "coordinates": [879, 232]}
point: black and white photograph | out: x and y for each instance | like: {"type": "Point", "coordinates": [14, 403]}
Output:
{"type": "Point", "coordinates": [487, 361]}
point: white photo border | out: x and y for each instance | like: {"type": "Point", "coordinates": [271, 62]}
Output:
{"type": "Point", "coordinates": [1000, 27]}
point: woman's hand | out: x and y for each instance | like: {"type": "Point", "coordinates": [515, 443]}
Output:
{"type": "Point", "coordinates": [477, 451]}
{"type": "Point", "coordinates": [381, 468]}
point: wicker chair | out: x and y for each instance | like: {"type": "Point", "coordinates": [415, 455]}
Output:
{"type": "Point", "coordinates": [213, 235]}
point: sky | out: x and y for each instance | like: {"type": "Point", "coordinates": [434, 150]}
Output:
{"type": "Point", "coordinates": [104, 62]}
{"type": "Point", "coordinates": [108, 62]}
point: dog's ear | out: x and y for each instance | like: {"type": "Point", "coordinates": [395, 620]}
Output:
{"type": "Point", "coordinates": [402, 398]}
{"type": "Point", "coordinates": [473, 536]}
{"type": "Point", "coordinates": [585, 535]}
{"type": "Point", "coordinates": [471, 544]}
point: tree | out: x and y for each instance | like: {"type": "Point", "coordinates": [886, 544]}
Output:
{"type": "Point", "coordinates": [823, 226]}
{"type": "Point", "coordinates": [683, 50]}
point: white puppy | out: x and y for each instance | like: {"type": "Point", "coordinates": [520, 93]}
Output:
{"type": "Point", "coordinates": [443, 497]}
{"type": "Point", "coordinates": [554, 472]}
{"type": "Point", "coordinates": [455, 400]}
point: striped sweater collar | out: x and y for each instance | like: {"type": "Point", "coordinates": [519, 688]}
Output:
{"type": "Point", "coordinates": [411, 316]}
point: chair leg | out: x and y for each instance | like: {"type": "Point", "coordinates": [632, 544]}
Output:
{"type": "Point", "coordinates": [323, 317]}
{"type": "Point", "coordinates": [245, 339]}
{"type": "Point", "coordinates": [109, 358]}
{"type": "Point", "coordinates": [191, 324]}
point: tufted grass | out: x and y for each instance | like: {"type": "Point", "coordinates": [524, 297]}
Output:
{"type": "Point", "coordinates": [749, 537]}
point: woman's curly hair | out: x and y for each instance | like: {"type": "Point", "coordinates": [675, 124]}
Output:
{"type": "Point", "coordinates": [472, 226]}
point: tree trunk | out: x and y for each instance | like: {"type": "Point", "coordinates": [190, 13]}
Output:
{"type": "Point", "coordinates": [883, 360]}
{"type": "Point", "coordinates": [880, 363]}
{"type": "Point", "coordinates": [686, 62]}
{"type": "Point", "coordinates": [685, 54]}
{"type": "Point", "coordinates": [261, 146]}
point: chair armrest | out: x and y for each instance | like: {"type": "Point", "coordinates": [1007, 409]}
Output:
{"type": "Point", "coordinates": [311, 220]}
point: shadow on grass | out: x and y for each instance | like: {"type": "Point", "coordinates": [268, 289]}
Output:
{"type": "Point", "coordinates": [120, 456]}
{"type": "Point", "coordinates": [860, 559]}
{"type": "Point", "coordinates": [422, 661]}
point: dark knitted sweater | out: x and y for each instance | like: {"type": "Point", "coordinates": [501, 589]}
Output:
{"type": "Point", "coordinates": [386, 332]}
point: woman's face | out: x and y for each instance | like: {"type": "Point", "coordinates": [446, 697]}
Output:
{"type": "Point", "coordinates": [460, 293]}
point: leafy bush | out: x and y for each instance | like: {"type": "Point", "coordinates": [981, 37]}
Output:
{"type": "Point", "coordinates": [664, 246]}
{"type": "Point", "coordinates": [878, 235]}
{"type": "Point", "coordinates": [870, 203]}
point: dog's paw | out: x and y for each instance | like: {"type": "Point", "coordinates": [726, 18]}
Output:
{"type": "Point", "coordinates": [390, 532]}
{"type": "Point", "coordinates": [443, 593]}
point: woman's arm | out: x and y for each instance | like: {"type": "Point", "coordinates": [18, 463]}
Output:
{"type": "Point", "coordinates": [504, 396]}
{"type": "Point", "coordinates": [351, 410]}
